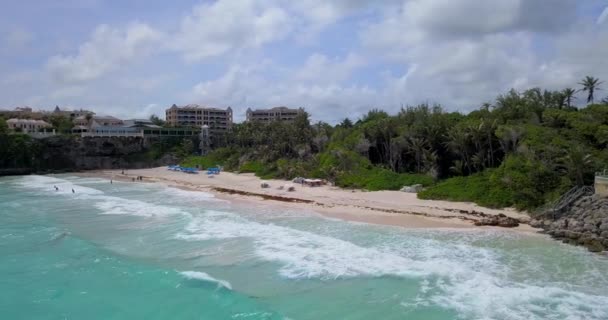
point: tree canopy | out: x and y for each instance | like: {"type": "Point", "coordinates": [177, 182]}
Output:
{"type": "Point", "coordinates": [522, 150]}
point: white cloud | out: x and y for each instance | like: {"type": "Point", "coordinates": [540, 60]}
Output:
{"type": "Point", "coordinates": [319, 69]}
{"type": "Point", "coordinates": [603, 17]}
{"type": "Point", "coordinates": [223, 26]}
{"type": "Point", "coordinates": [465, 51]}
{"type": "Point", "coordinates": [469, 18]}
{"type": "Point", "coordinates": [106, 51]}
{"type": "Point", "coordinates": [250, 86]}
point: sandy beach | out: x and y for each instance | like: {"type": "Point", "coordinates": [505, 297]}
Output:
{"type": "Point", "coordinates": [379, 207]}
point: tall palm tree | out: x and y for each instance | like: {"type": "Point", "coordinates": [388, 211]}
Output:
{"type": "Point", "coordinates": [590, 85]}
{"type": "Point", "coordinates": [417, 147]}
{"type": "Point", "coordinates": [458, 143]}
{"type": "Point", "coordinates": [569, 96]}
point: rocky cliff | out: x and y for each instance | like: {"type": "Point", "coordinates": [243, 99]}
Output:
{"type": "Point", "coordinates": [67, 153]}
{"type": "Point", "coordinates": [584, 223]}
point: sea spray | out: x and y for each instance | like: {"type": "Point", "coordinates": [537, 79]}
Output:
{"type": "Point", "coordinates": [198, 275]}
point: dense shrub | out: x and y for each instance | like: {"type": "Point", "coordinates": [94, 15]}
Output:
{"type": "Point", "coordinates": [479, 188]}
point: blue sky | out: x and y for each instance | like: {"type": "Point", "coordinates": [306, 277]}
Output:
{"type": "Point", "coordinates": [335, 58]}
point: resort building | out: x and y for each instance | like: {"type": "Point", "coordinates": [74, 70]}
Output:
{"type": "Point", "coordinates": [86, 123]}
{"type": "Point", "coordinates": [273, 114]}
{"type": "Point", "coordinates": [97, 121]}
{"type": "Point", "coordinates": [28, 125]}
{"type": "Point", "coordinates": [133, 128]}
{"type": "Point", "coordinates": [193, 115]}
{"type": "Point", "coordinates": [22, 113]}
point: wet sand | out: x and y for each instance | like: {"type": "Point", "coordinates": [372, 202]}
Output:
{"type": "Point", "coordinates": [378, 207]}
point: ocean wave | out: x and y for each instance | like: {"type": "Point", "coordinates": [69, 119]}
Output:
{"type": "Point", "coordinates": [202, 276]}
{"type": "Point", "coordinates": [121, 206]}
{"type": "Point", "coordinates": [191, 196]}
{"type": "Point", "coordinates": [47, 183]}
{"type": "Point", "coordinates": [473, 280]}
{"type": "Point", "coordinates": [107, 204]}
{"type": "Point", "coordinates": [302, 254]}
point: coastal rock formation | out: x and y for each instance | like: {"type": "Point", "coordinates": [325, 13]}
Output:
{"type": "Point", "coordinates": [68, 153]}
{"type": "Point", "coordinates": [584, 223]}
{"type": "Point", "coordinates": [499, 220]}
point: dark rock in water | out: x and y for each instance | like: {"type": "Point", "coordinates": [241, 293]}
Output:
{"type": "Point", "coordinates": [537, 223]}
{"type": "Point", "coordinates": [585, 223]}
{"type": "Point", "coordinates": [595, 245]}
{"type": "Point", "coordinates": [571, 235]}
{"type": "Point", "coordinates": [498, 220]}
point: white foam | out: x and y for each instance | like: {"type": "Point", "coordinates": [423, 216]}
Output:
{"type": "Point", "coordinates": [106, 204]}
{"type": "Point", "coordinates": [197, 275]}
{"type": "Point", "coordinates": [302, 254]}
{"type": "Point", "coordinates": [483, 296]}
{"type": "Point", "coordinates": [192, 196]}
{"type": "Point", "coordinates": [473, 280]}
{"type": "Point", "coordinates": [121, 206]}
{"type": "Point", "coordinates": [47, 183]}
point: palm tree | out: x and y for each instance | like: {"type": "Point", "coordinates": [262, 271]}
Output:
{"type": "Point", "coordinates": [569, 96]}
{"type": "Point", "coordinates": [590, 84]}
{"type": "Point", "coordinates": [577, 162]}
{"type": "Point", "coordinates": [458, 143]}
{"type": "Point", "coordinates": [417, 146]}
{"type": "Point", "coordinates": [346, 123]}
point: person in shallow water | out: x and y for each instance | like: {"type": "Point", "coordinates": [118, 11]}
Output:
{"type": "Point", "coordinates": [73, 190]}
{"type": "Point", "coordinates": [56, 189]}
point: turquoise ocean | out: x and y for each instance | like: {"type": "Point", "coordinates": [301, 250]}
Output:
{"type": "Point", "coordinates": [147, 251]}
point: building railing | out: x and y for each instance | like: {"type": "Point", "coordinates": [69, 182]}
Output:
{"type": "Point", "coordinates": [112, 134]}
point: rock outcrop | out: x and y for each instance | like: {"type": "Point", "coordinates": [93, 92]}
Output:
{"type": "Point", "coordinates": [499, 220]}
{"type": "Point", "coordinates": [412, 189]}
{"type": "Point", "coordinates": [69, 153]}
{"type": "Point", "coordinates": [584, 223]}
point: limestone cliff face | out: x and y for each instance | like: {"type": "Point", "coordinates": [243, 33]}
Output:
{"type": "Point", "coordinates": [65, 153]}
{"type": "Point", "coordinates": [585, 223]}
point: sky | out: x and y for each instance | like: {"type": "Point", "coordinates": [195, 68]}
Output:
{"type": "Point", "coordinates": [335, 58]}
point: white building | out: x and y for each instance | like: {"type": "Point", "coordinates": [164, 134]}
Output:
{"type": "Point", "coordinates": [273, 114]}
{"type": "Point", "coordinates": [27, 125]}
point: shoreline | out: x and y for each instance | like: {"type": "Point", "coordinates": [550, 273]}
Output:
{"type": "Point", "coordinates": [393, 208]}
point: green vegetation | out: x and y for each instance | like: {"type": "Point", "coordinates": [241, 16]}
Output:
{"type": "Point", "coordinates": [216, 158]}
{"type": "Point", "coordinates": [157, 121]}
{"type": "Point", "coordinates": [480, 187]}
{"type": "Point", "coordinates": [181, 147]}
{"type": "Point", "coordinates": [17, 150]}
{"type": "Point", "coordinates": [523, 150]}
{"type": "Point", "coordinates": [61, 123]}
